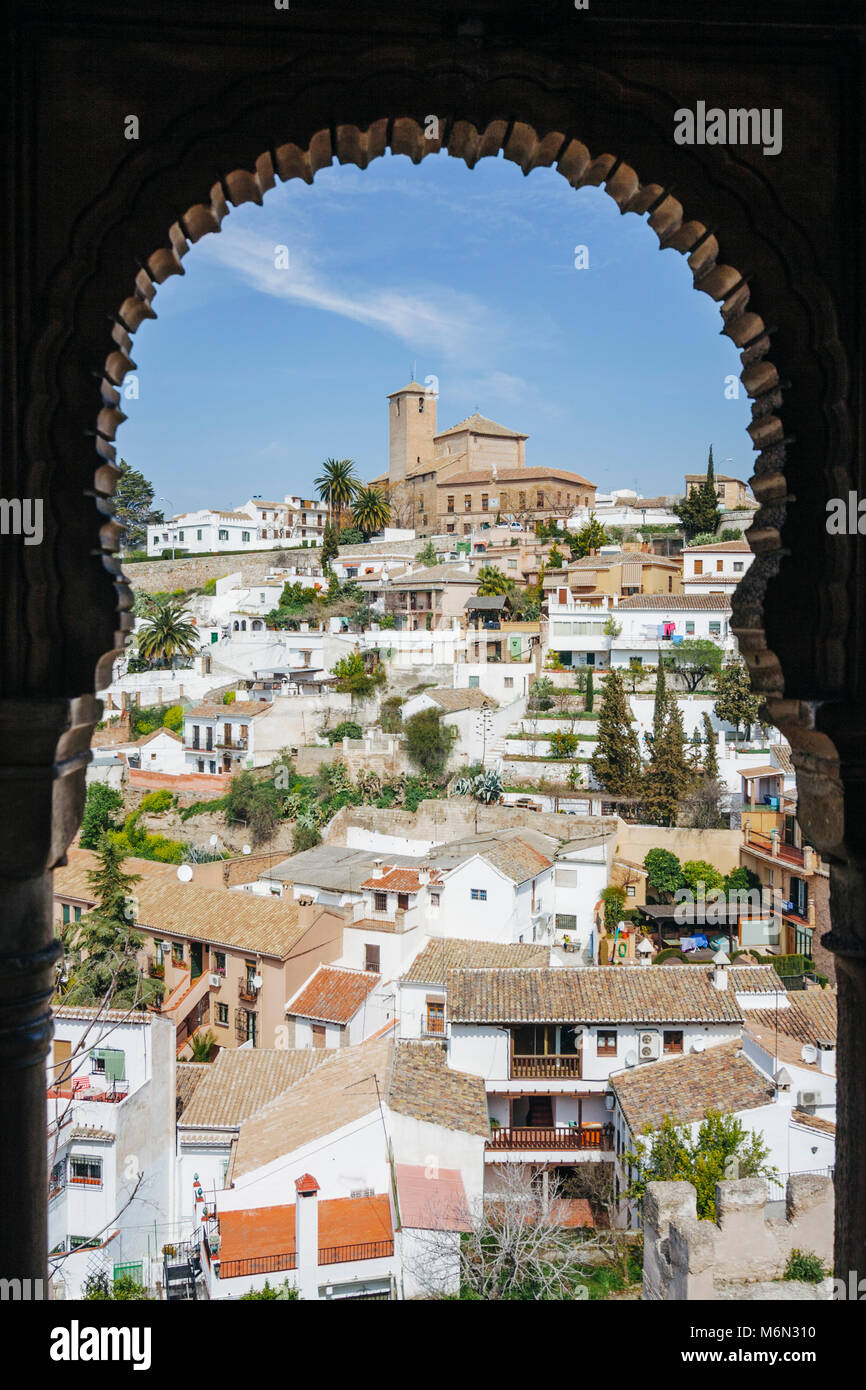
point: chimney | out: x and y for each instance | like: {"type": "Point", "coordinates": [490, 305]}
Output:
{"type": "Point", "coordinates": [645, 952]}
{"type": "Point", "coordinates": [827, 1057]}
{"type": "Point", "coordinates": [423, 873]}
{"type": "Point", "coordinates": [307, 1236]}
{"type": "Point", "coordinates": [720, 973]}
{"type": "Point", "coordinates": [377, 869]}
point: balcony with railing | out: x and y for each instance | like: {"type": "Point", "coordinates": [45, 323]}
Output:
{"type": "Point", "coordinates": [248, 991]}
{"type": "Point", "coordinates": [328, 1255]}
{"type": "Point", "coordinates": [552, 1066]}
{"type": "Point", "coordinates": [557, 1137]}
{"type": "Point", "coordinates": [226, 741]}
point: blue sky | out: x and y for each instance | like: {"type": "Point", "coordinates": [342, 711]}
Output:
{"type": "Point", "coordinates": [253, 374]}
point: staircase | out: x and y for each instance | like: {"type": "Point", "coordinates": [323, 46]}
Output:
{"type": "Point", "coordinates": [540, 1112]}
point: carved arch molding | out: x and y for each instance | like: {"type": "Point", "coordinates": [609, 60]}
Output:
{"type": "Point", "coordinates": [795, 610]}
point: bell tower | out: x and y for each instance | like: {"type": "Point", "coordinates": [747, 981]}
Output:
{"type": "Point", "coordinates": [411, 428]}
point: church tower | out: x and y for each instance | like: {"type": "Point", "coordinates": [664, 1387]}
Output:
{"type": "Point", "coordinates": [411, 427]}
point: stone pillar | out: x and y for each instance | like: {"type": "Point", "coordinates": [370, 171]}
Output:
{"type": "Point", "coordinates": [44, 751]}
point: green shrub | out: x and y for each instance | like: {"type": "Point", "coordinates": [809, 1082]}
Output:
{"type": "Point", "coordinates": [670, 953]}
{"type": "Point", "coordinates": [428, 740]}
{"type": "Point", "coordinates": [347, 729]}
{"type": "Point", "coordinates": [154, 803]}
{"type": "Point", "coordinates": [805, 1266]}
{"type": "Point", "coordinates": [284, 1291]}
{"type": "Point", "coordinates": [305, 837]}
{"type": "Point", "coordinates": [100, 805]}
{"type": "Point", "coordinates": [561, 744]}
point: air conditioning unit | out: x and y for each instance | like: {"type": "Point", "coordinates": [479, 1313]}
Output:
{"type": "Point", "coordinates": [215, 981]}
{"type": "Point", "coordinates": [649, 1045]}
{"type": "Point", "coordinates": [806, 1100]}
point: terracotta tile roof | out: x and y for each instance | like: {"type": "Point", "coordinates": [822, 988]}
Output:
{"type": "Point", "coordinates": [240, 1082]}
{"type": "Point", "coordinates": [712, 579]}
{"type": "Point", "coordinates": [93, 1133]}
{"type": "Point", "coordinates": [258, 1232]}
{"type": "Point", "coordinates": [432, 1199]}
{"type": "Point", "coordinates": [333, 994]}
{"type": "Point", "coordinates": [594, 994]}
{"type": "Point", "coordinates": [674, 602]}
{"type": "Point", "coordinates": [765, 770]}
{"type": "Point", "coordinates": [431, 966]}
{"type": "Point", "coordinates": [755, 979]}
{"type": "Point", "coordinates": [438, 577]}
{"type": "Point", "coordinates": [480, 424]}
{"type": "Point", "coordinates": [424, 1087]}
{"type": "Point", "coordinates": [720, 1078]}
{"type": "Point", "coordinates": [148, 738]}
{"type": "Point", "coordinates": [453, 700]}
{"type": "Point", "coordinates": [71, 881]}
{"type": "Point", "coordinates": [809, 1018]}
{"type": "Point", "coordinates": [736, 547]}
{"type": "Point", "coordinates": [85, 1014]}
{"type": "Point", "coordinates": [247, 709]}
{"type": "Point", "coordinates": [782, 755]}
{"type": "Point", "coordinates": [393, 880]}
{"type": "Point", "coordinates": [802, 1117]}
{"type": "Point", "coordinates": [516, 853]}
{"type": "Point", "coordinates": [484, 475]}
{"type": "Point", "coordinates": [187, 1077]}
{"type": "Point", "coordinates": [337, 1092]}
{"type": "Point", "coordinates": [262, 926]}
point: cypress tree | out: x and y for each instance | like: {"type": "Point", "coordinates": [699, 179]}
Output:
{"type": "Point", "coordinates": [616, 763]}
{"type": "Point", "coordinates": [668, 776]}
{"type": "Point", "coordinates": [589, 699]}
{"type": "Point", "coordinates": [109, 969]}
{"type": "Point", "coordinates": [660, 705]}
{"type": "Point", "coordinates": [711, 761]}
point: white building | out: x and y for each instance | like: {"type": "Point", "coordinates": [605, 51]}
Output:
{"type": "Point", "coordinates": [338, 1006]}
{"type": "Point", "coordinates": [547, 1043]}
{"type": "Point", "coordinates": [312, 1194]}
{"type": "Point", "coordinates": [221, 738]}
{"type": "Point", "coordinates": [716, 568]}
{"type": "Point", "coordinates": [615, 632]}
{"type": "Point", "coordinates": [111, 1118]}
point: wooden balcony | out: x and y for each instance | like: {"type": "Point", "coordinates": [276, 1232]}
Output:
{"type": "Point", "coordinates": [555, 1067]}
{"type": "Point", "coordinates": [564, 1137]}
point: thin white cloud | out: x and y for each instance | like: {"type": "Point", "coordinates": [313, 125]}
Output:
{"type": "Point", "coordinates": [452, 324]}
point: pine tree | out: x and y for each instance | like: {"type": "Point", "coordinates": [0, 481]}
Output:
{"type": "Point", "coordinates": [616, 763]}
{"type": "Point", "coordinates": [699, 510]}
{"type": "Point", "coordinates": [660, 704]}
{"type": "Point", "coordinates": [711, 761]}
{"type": "Point", "coordinates": [105, 943]}
{"type": "Point", "coordinates": [736, 702]}
{"type": "Point", "coordinates": [668, 777]}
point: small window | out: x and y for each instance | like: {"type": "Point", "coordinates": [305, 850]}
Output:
{"type": "Point", "coordinates": [245, 536]}
{"type": "Point", "coordinates": [435, 899]}
{"type": "Point", "coordinates": [485, 502]}
{"type": "Point", "coordinates": [478, 895]}
{"type": "Point", "coordinates": [450, 506]}
{"type": "Point", "coordinates": [222, 1015]}
{"type": "Point", "coordinates": [198, 535]}
{"type": "Point", "coordinates": [177, 952]}
{"type": "Point", "coordinates": [66, 911]}
{"type": "Point", "coordinates": [403, 902]}
{"type": "Point", "coordinates": [224, 535]}
{"type": "Point", "coordinates": [738, 567]}
{"type": "Point", "coordinates": [435, 1016]}
{"type": "Point", "coordinates": [372, 957]}
{"type": "Point", "coordinates": [180, 535]}
{"type": "Point", "coordinates": [629, 890]}
{"type": "Point", "coordinates": [219, 963]}
{"type": "Point", "coordinates": [85, 1172]}
{"type": "Point", "coordinates": [473, 682]}
{"type": "Point", "coordinates": [605, 1042]}
{"type": "Point", "coordinates": [380, 902]}
{"type": "Point", "coordinates": [715, 629]}
{"type": "Point", "coordinates": [673, 1040]}
{"type": "Point", "coordinates": [566, 921]}
{"type": "Point", "coordinates": [467, 502]}
{"type": "Point", "coordinates": [508, 682]}
{"type": "Point", "coordinates": [690, 628]}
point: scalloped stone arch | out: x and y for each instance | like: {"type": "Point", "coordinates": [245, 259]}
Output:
{"type": "Point", "coordinates": [521, 144]}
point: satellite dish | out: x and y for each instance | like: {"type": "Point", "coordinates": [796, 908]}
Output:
{"type": "Point", "coordinates": [631, 1059]}
{"type": "Point", "coordinates": [698, 1045]}
{"type": "Point", "coordinates": [214, 839]}
{"type": "Point", "coordinates": [184, 873]}
{"type": "Point", "coordinates": [809, 1052]}
{"type": "Point", "coordinates": [247, 849]}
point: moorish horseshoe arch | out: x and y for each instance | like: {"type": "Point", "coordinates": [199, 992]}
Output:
{"type": "Point", "coordinates": [70, 593]}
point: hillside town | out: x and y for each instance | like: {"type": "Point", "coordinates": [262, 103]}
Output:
{"type": "Point", "coordinates": [437, 864]}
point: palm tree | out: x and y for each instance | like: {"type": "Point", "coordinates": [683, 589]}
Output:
{"type": "Point", "coordinates": [166, 633]}
{"type": "Point", "coordinates": [370, 510]}
{"type": "Point", "coordinates": [202, 1046]}
{"type": "Point", "coordinates": [491, 582]}
{"type": "Point", "coordinates": [337, 485]}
